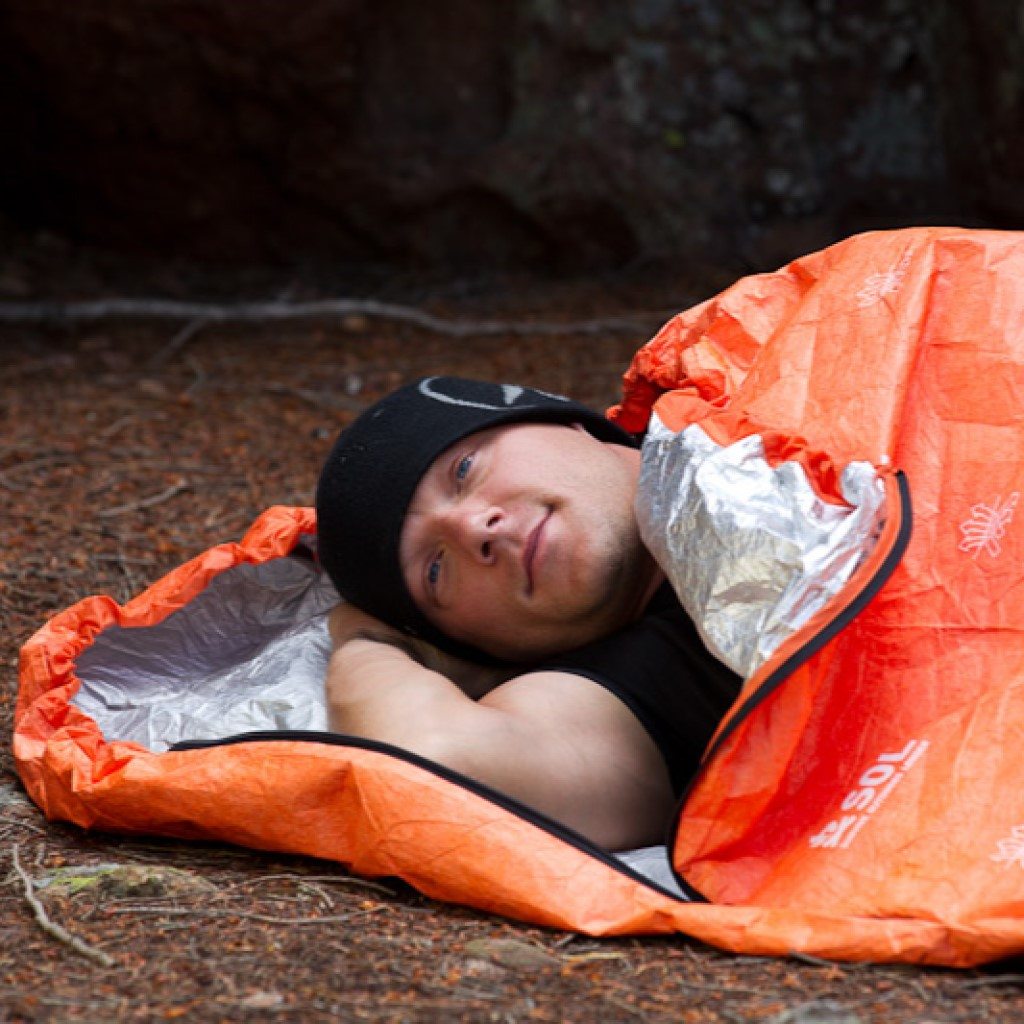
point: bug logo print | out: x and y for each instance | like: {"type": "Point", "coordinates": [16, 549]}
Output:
{"type": "Point", "coordinates": [877, 286]}
{"type": "Point", "coordinates": [987, 525]}
{"type": "Point", "coordinates": [1011, 849]}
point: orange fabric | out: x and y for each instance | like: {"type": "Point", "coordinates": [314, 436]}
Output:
{"type": "Point", "coordinates": [898, 348]}
{"type": "Point", "coordinates": [883, 778]}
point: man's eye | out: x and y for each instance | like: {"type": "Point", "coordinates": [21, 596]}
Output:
{"type": "Point", "coordinates": [434, 571]}
{"type": "Point", "coordinates": [462, 468]}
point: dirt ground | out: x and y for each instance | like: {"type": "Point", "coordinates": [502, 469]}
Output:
{"type": "Point", "coordinates": [128, 447]}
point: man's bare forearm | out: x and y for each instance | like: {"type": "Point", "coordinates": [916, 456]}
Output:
{"type": "Point", "coordinates": [375, 689]}
{"type": "Point", "coordinates": [558, 742]}
{"type": "Point", "coordinates": [348, 623]}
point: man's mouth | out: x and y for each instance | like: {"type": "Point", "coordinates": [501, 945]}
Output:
{"type": "Point", "coordinates": [530, 550]}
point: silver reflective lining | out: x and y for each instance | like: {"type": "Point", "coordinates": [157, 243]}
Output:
{"type": "Point", "coordinates": [652, 862]}
{"type": "Point", "coordinates": [247, 653]}
{"type": "Point", "coordinates": [750, 549]}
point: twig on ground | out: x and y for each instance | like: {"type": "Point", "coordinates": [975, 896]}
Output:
{"type": "Point", "coordinates": [361, 883]}
{"type": "Point", "coordinates": [199, 383]}
{"type": "Point", "coordinates": [199, 314]}
{"type": "Point", "coordinates": [108, 432]}
{"type": "Point", "coordinates": [621, 1004]}
{"type": "Point", "coordinates": [817, 961]}
{"type": "Point", "coordinates": [27, 467]}
{"type": "Point", "coordinates": [249, 915]}
{"type": "Point", "coordinates": [134, 506]}
{"type": "Point", "coordinates": [178, 342]}
{"type": "Point", "coordinates": [721, 989]}
{"type": "Point", "coordinates": [13, 588]}
{"type": "Point", "coordinates": [317, 399]}
{"type": "Point", "coordinates": [122, 559]}
{"type": "Point", "coordinates": [22, 824]}
{"type": "Point", "coordinates": [995, 979]}
{"type": "Point", "coordinates": [51, 927]}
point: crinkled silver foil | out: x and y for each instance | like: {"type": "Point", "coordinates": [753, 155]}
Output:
{"type": "Point", "coordinates": [247, 653]}
{"type": "Point", "coordinates": [751, 551]}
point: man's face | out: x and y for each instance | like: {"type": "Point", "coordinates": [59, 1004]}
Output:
{"type": "Point", "coordinates": [521, 540]}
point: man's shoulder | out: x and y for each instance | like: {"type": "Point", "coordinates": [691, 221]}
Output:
{"type": "Point", "coordinates": [660, 669]}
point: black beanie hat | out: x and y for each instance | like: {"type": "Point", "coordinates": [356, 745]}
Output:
{"type": "Point", "coordinates": [376, 464]}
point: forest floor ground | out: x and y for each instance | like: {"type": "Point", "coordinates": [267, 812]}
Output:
{"type": "Point", "coordinates": [128, 447]}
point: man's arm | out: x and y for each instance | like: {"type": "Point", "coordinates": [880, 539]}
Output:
{"type": "Point", "coordinates": [555, 741]}
{"type": "Point", "coordinates": [346, 622]}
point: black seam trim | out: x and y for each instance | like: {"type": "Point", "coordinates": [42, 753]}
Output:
{"type": "Point", "coordinates": [522, 811]}
{"type": "Point", "coordinates": [793, 662]}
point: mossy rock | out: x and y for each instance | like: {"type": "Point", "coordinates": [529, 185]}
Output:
{"type": "Point", "coordinates": [124, 880]}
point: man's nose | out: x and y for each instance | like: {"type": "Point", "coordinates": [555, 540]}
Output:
{"type": "Point", "coordinates": [477, 528]}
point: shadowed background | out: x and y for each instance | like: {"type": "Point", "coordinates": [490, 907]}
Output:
{"type": "Point", "coordinates": [550, 137]}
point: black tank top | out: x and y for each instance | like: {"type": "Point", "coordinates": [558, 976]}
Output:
{"type": "Point", "coordinates": [661, 670]}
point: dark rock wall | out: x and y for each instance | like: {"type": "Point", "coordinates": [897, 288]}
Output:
{"type": "Point", "coordinates": [977, 61]}
{"type": "Point", "coordinates": [550, 135]}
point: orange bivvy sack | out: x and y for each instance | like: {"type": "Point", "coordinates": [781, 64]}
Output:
{"type": "Point", "coordinates": [831, 478]}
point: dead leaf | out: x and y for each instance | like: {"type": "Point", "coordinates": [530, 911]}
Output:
{"type": "Point", "coordinates": [262, 1001]}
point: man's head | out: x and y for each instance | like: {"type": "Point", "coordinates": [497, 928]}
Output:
{"type": "Point", "coordinates": [496, 516]}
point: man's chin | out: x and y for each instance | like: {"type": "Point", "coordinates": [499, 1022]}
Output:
{"type": "Point", "coordinates": [573, 624]}
{"type": "Point", "coordinates": [514, 652]}
{"type": "Point", "coordinates": [530, 650]}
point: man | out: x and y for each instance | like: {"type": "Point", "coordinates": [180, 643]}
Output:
{"type": "Point", "coordinates": [503, 617]}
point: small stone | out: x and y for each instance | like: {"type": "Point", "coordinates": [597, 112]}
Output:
{"type": "Point", "coordinates": [486, 970]}
{"type": "Point", "coordinates": [511, 953]}
{"type": "Point", "coordinates": [818, 1011]}
{"type": "Point", "coordinates": [152, 388]}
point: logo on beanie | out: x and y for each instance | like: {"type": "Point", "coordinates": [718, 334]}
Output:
{"type": "Point", "coordinates": [503, 396]}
